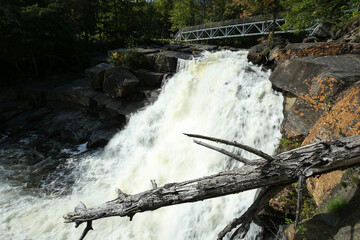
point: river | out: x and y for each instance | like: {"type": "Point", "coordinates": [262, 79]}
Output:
{"type": "Point", "coordinates": [217, 94]}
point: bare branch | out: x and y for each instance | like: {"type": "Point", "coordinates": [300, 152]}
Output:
{"type": "Point", "coordinates": [227, 153]}
{"type": "Point", "coordinates": [299, 200]}
{"type": "Point", "coordinates": [86, 230]}
{"type": "Point", "coordinates": [154, 184]}
{"type": "Point", "coordinates": [262, 198]}
{"type": "Point", "coordinates": [235, 144]}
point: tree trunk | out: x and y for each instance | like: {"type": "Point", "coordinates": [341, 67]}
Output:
{"type": "Point", "coordinates": [284, 168]}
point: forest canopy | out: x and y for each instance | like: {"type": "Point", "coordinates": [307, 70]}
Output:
{"type": "Point", "coordinates": [39, 37]}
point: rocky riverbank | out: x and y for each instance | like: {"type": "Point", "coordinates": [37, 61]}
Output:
{"type": "Point", "coordinates": [321, 85]}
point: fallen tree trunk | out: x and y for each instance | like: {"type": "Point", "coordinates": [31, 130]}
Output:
{"type": "Point", "coordinates": [279, 170]}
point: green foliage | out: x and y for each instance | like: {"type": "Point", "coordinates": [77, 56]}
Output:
{"type": "Point", "coordinates": [130, 58]}
{"type": "Point", "coordinates": [287, 144]}
{"type": "Point", "coordinates": [335, 205]}
{"type": "Point", "coordinates": [304, 14]}
{"type": "Point", "coordinates": [289, 221]}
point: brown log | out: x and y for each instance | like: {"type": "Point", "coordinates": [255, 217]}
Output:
{"type": "Point", "coordinates": [285, 168]}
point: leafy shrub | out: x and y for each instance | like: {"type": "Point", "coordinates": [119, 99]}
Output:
{"type": "Point", "coordinates": [131, 58]}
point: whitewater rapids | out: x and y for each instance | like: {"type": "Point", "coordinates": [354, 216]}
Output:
{"type": "Point", "coordinates": [217, 94]}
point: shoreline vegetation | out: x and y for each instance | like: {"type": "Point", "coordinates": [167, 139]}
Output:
{"type": "Point", "coordinates": [45, 37]}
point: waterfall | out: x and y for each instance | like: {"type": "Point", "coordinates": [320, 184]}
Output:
{"type": "Point", "coordinates": [217, 94]}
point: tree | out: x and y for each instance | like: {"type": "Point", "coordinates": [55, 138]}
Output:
{"type": "Point", "coordinates": [185, 13]}
{"type": "Point", "coordinates": [269, 172]}
{"type": "Point", "coordinates": [305, 14]}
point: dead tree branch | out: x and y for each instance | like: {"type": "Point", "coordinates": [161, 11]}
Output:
{"type": "Point", "coordinates": [235, 144]}
{"type": "Point", "coordinates": [285, 168]}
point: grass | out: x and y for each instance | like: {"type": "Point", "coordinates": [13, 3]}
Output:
{"type": "Point", "coordinates": [336, 205]}
{"type": "Point", "coordinates": [287, 144]}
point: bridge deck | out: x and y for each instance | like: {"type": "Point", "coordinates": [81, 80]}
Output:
{"type": "Point", "coordinates": [257, 25]}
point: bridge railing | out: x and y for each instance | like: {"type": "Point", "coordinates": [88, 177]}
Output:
{"type": "Point", "coordinates": [227, 23]}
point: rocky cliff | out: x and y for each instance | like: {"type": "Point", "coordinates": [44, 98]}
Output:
{"type": "Point", "coordinates": [321, 85]}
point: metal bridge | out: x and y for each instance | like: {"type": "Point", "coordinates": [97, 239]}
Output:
{"type": "Point", "coordinates": [241, 27]}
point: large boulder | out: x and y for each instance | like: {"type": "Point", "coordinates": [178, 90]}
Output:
{"type": "Point", "coordinates": [165, 62]}
{"type": "Point", "coordinates": [314, 83]}
{"type": "Point", "coordinates": [119, 82]}
{"type": "Point", "coordinates": [95, 75]}
{"type": "Point", "coordinates": [316, 80]}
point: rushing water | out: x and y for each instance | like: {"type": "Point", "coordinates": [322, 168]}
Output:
{"type": "Point", "coordinates": [218, 94]}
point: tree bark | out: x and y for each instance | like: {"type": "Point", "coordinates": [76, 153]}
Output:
{"type": "Point", "coordinates": [285, 168]}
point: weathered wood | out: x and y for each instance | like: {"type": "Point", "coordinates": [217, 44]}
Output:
{"type": "Point", "coordinates": [285, 168]}
{"type": "Point", "coordinates": [235, 144]}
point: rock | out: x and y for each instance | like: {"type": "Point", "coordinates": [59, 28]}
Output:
{"type": "Point", "coordinates": [95, 75]}
{"type": "Point", "coordinates": [165, 62]}
{"type": "Point", "coordinates": [316, 79]}
{"type": "Point", "coordinates": [299, 117]}
{"type": "Point", "coordinates": [300, 50]}
{"type": "Point", "coordinates": [172, 47]}
{"type": "Point", "coordinates": [117, 112]}
{"type": "Point", "coordinates": [77, 94]}
{"type": "Point", "coordinates": [70, 125]}
{"type": "Point", "coordinates": [119, 82]}
{"type": "Point", "coordinates": [149, 79]}
{"type": "Point", "coordinates": [99, 138]}
{"type": "Point", "coordinates": [256, 55]}
{"type": "Point", "coordinates": [342, 119]}
{"type": "Point", "coordinates": [145, 51]}
{"type": "Point", "coordinates": [12, 108]}
{"type": "Point", "coordinates": [322, 30]}
{"type": "Point", "coordinates": [321, 186]}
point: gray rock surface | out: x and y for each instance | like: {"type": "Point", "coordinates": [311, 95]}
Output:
{"type": "Point", "coordinates": [148, 78]}
{"type": "Point", "coordinates": [95, 75]}
{"type": "Point", "coordinates": [119, 82]}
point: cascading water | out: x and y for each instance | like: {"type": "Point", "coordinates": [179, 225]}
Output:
{"type": "Point", "coordinates": [218, 94]}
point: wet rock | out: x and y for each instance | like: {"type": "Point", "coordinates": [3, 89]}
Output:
{"type": "Point", "coordinates": [70, 125]}
{"type": "Point", "coordinates": [256, 55]}
{"type": "Point", "coordinates": [149, 79]}
{"type": "Point", "coordinates": [95, 75]}
{"type": "Point", "coordinates": [119, 82]}
{"type": "Point", "coordinates": [165, 62]}
{"type": "Point", "coordinates": [99, 138]}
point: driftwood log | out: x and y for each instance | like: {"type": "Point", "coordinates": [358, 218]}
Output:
{"type": "Point", "coordinates": [271, 172]}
